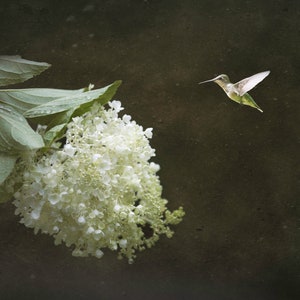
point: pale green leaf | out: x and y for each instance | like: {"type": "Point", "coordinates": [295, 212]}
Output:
{"type": "Point", "coordinates": [57, 126]}
{"type": "Point", "coordinates": [15, 133]}
{"type": "Point", "coordinates": [7, 163]}
{"type": "Point", "coordinates": [80, 102]}
{"type": "Point", "coordinates": [14, 69]}
{"type": "Point", "coordinates": [54, 133]}
{"type": "Point", "coordinates": [25, 99]}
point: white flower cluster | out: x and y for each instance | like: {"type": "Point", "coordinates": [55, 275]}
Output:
{"type": "Point", "coordinates": [99, 190]}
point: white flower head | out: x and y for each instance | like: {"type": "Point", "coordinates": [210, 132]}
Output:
{"type": "Point", "coordinates": [100, 190]}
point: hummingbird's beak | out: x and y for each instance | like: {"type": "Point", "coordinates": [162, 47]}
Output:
{"type": "Point", "coordinates": [208, 80]}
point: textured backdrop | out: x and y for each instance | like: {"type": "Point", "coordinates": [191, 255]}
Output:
{"type": "Point", "coordinates": [235, 170]}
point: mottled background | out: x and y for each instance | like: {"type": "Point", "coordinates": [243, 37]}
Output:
{"type": "Point", "coordinates": [235, 170]}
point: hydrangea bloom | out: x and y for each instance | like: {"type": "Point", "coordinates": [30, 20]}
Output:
{"type": "Point", "coordinates": [99, 190]}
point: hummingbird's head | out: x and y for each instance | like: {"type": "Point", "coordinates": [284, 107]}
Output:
{"type": "Point", "coordinates": [221, 80]}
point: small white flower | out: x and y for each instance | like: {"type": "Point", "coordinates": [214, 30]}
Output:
{"type": "Point", "coordinates": [69, 150]}
{"type": "Point", "coordinates": [55, 229]}
{"type": "Point", "coordinates": [123, 243]}
{"type": "Point", "coordinates": [126, 119]}
{"type": "Point", "coordinates": [90, 230]}
{"type": "Point", "coordinates": [81, 220]}
{"type": "Point", "coordinates": [90, 87]}
{"type": "Point", "coordinates": [117, 208]}
{"type": "Point", "coordinates": [148, 133]}
{"type": "Point", "coordinates": [35, 214]}
{"type": "Point", "coordinates": [99, 253]}
{"type": "Point", "coordinates": [96, 156]}
{"type": "Point", "coordinates": [116, 105]}
{"type": "Point", "coordinates": [154, 167]}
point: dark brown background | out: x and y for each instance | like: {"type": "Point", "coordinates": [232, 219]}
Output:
{"type": "Point", "coordinates": [235, 170]}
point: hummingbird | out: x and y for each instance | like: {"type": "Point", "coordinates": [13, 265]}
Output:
{"type": "Point", "coordinates": [238, 91]}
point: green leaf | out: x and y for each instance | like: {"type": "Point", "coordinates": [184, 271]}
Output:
{"type": "Point", "coordinates": [54, 133]}
{"type": "Point", "coordinates": [81, 102]}
{"type": "Point", "coordinates": [15, 133]}
{"type": "Point", "coordinates": [7, 163]}
{"type": "Point", "coordinates": [57, 126]}
{"type": "Point", "coordinates": [110, 91]}
{"type": "Point", "coordinates": [25, 99]}
{"type": "Point", "coordinates": [56, 114]}
{"type": "Point", "coordinates": [14, 69]}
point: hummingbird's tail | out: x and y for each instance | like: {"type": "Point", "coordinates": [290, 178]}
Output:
{"type": "Point", "coordinates": [248, 100]}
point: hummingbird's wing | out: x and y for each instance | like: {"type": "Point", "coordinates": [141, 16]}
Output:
{"type": "Point", "coordinates": [249, 83]}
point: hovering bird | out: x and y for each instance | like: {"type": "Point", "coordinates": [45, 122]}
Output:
{"type": "Point", "coordinates": [238, 91]}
